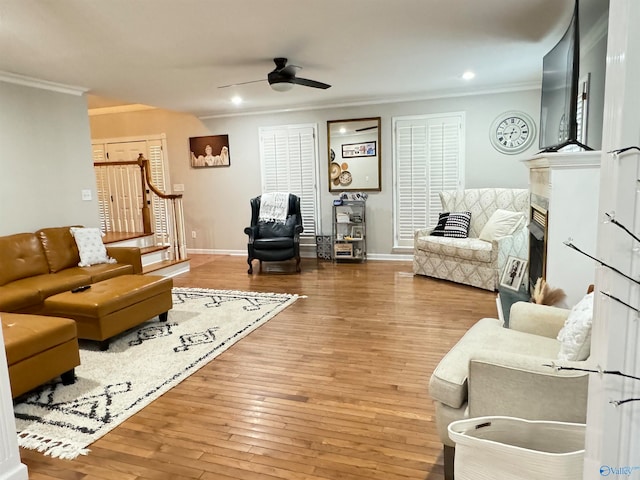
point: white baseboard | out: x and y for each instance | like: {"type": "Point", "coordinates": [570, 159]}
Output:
{"type": "Point", "coordinates": [18, 472]}
{"type": "Point", "coordinates": [392, 257]}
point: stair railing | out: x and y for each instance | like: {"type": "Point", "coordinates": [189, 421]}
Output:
{"type": "Point", "coordinates": [128, 194]}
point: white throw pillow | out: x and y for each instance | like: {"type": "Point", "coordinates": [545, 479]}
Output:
{"type": "Point", "coordinates": [501, 224]}
{"type": "Point", "coordinates": [575, 336]}
{"type": "Point", "coordinates": [92, 250]}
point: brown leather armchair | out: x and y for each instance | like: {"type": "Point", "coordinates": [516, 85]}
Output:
{"type": "Point", "coordinates": [274, 241]}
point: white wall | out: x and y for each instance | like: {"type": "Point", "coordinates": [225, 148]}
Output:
{"type": "Point", "coordinates": [216, 200]}
{"type": "Point", "coordinates": [45, 160]}
{"type": "Point", "coordinates": [485, 166]}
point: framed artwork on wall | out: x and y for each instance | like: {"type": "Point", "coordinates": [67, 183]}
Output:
{"type": "Point", "coordinates": [209, 151]}
{"type": "Point", "coordinates": [351, 150]}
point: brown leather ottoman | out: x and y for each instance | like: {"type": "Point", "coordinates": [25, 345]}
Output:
{"type": "Point", "coordinates": [113, 306]}
{"type": "Point", "coordinates": [39, 349]}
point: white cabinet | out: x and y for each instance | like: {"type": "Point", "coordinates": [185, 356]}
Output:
{"type": "Point", "coordinates": [564, 191]}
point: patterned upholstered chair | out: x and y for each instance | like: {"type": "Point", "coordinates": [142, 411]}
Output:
{"type": "Point", "coordinates": [473, 261]}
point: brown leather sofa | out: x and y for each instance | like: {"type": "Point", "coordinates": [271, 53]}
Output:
{"type": "Point", "coordinates": [39, 349]}
{"type": "Point", "coordinates": [34, 266]}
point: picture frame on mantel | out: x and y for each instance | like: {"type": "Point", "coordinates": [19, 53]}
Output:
{"type": "Point", "coordinates": [209, 151]}
{"type": "Point", "coordinates": [513, 273]}
{"type": "Point", "coordinates": [354, 154]}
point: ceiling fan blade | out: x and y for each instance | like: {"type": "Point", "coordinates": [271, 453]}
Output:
{"type": "Point", "coordinates": [309, 83]}
{"type": "Point", "coordinates": [364, 129]}
{"type": "Point", "coordinates": [242, 83]}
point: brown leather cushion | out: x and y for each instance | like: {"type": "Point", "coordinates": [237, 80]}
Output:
{"type": "Point", "coordinates": [59, 247]}
{"type": "Point", "coordinates": [52, 283]}
{"type": "Point", "coordinates": [108, 296]}
{"type": "Point", "coordinates": [28, 335]}
{"type": "Point", "coordinates": [21, 256]}
{"type": "Point", "coordinates": [14, 298]}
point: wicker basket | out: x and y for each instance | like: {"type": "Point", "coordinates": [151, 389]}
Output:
{"type": "Point", "coordinates": [505, 448]}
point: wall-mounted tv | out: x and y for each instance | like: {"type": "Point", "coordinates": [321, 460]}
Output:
{"type": "Point", "coordinates": [560, 72]}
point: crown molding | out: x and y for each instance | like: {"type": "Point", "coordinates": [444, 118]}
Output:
{"type": "Point", "coordinates": [595, 34]}
{"type": "Point", "coordinates": [16, 79]}
{"type": "Point", "coordinates": [132, 107]}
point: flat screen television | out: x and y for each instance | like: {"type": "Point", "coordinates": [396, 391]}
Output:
{"type": "Point", "coordinates": [559, 101]}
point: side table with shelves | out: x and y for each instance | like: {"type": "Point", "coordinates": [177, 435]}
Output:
{"type": "Point", "coordinates": [349, 231]}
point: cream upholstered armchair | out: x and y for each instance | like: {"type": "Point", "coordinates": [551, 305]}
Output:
{"type": "Point", "coordinates": [473, 260]}
{"type": "Point", "coordinates": [501, 371]}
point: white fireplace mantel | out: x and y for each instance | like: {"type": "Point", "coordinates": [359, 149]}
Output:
{"type": "Point", "coordinates": [564, 160]}
{"type": "Point", "coordinates": [565, 186]}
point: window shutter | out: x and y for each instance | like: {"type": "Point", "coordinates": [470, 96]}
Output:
{"type": "Point", "coordinates": [288, 157]}
{"type": "Point", "coordinates": [582, 112]}
{"type": "Point", "coordinates": [428, 158]}
{"type": "Point", "coordinates": [158, 206]}
{"type": "Point", "coordinates": [102, 185]}
{"type": "Point", "coordinates": [412, 205]}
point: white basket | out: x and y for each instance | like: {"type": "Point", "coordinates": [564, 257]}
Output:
{"type": "Point", "coordinates": [506, 448]}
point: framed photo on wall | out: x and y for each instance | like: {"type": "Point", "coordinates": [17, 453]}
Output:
{"type": "Point", "coordinates": [209, 151]}
{"type": "Point", "coordinates": [513, 273]}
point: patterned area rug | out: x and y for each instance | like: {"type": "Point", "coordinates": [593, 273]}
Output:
{"type": "Point", "coordinates": [139, 366]}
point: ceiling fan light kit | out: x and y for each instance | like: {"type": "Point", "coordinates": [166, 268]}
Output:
{"type": "Point", "coordinates": [281, 86]}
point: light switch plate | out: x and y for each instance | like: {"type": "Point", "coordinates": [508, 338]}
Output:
{"type": "Point", "coordinates": [86, 195]}
{"type": "Point", "coordinates": [178, 187]}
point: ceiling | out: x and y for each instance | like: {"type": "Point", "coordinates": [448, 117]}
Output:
{"type": "Point", "coordinates": [174, 54]}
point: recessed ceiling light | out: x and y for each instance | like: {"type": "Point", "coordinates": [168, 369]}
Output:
{"type": "Point", "coordinates": [343, 130]}
{"type": "Point", "coordinates": [468, 75]}
{"type": "Point", "coordinates": [236, 100]}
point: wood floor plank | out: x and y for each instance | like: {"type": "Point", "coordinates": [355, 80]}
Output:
{"type": "Point", "coordinates": [335, 387]}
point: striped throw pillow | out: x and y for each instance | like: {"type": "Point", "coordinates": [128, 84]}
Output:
{"type": "Point", "coordinates": [453, 224]}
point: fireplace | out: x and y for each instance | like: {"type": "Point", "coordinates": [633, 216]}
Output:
{"type": "Point", "coordinates": [537, 246]}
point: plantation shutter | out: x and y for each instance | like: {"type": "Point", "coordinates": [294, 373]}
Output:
{"type": "Point", "coordinates": [428, 158]}
{"type": "Point", "coordinates": [102, 185]}
{"type": "Point", "coordinates": [582, 111]}
{"type": "Point", "coordinates": [158, 206]}
{"type": "Point", "coordinates": [288, 157]}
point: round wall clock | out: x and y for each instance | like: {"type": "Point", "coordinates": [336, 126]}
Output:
{"type": "Point", "coordinates": [512, 132]}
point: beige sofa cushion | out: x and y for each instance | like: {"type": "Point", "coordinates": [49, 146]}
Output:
{"type": "Point", "coordinates": [448, 383]}
{"type": "Point", "coordinates": [463, 248]}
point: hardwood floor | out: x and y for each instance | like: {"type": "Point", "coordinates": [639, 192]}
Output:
{"type": "Point", "coordinates": [334, 387]}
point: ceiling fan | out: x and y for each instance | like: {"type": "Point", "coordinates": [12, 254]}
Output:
{"type": "Point", "coordinates": [283, 78]}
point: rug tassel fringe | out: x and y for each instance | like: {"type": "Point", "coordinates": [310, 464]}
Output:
{"type": "Point", "coordinates": [51, 447]}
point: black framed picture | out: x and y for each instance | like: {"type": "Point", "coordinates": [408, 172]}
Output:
{"type": "Point", "coordinates": [365, 149]}
{"type": "Point", "coordinates": [513, 273]}
{"type": "Point", "coordinates": [209, 151]}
